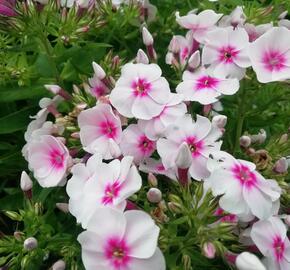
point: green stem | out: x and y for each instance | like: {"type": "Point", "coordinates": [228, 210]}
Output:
{"type": "Point", "coordinates": [240, 118]}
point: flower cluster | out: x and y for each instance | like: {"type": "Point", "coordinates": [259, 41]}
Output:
{"type": "Point", "coordinates": [140, 124]}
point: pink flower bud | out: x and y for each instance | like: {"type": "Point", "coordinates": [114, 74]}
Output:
{"type": "Point", "coordinates": [100, 73]}
{"type": "Point", "coordinates": [260, 137]}
{"type": "Point", "coordinates": [281, 165]}
{"type": "Point", "coordinates": [147, 37]}
{"type": "Point", "coordinates": [30, 243]}
{"type": "Point", "coordinates": [25, 182]}
{"type": "Point", "coordinates": [59, 265]}
{"type": "Point", "coordinates": [194, 60]}
{"type": "Point", "coordinates": [248, 261]}
{"type": "Point", "coordinates": [152, 180]}
{"type": "Point", "coordinates": [174, 45]}
{"type": "Point", "coordinates": [219, 121]}
{"type": "Point", "coordinates": [245, 141]}
{"type": "Point", "coordinates": [154, 195]}
{"type": "Point", "coordinates": [142, 57]}
{"type": "Point", "coordinates": [62, 207]}
{"type": "Point", "coordinates": [209, 250]}
{"type": "Point", "coordinates": [287, 220]}
{"type": "Point", "coordinates": [55, 89]}
{"type": "Point", "coordinates": [75, 135]}
{"type": "Point", "coordinates": [183, 159]}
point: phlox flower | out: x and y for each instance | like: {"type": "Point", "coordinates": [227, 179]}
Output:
{"type": "Point", "coordinates": [49, 160]}
{"type": "Point", "coordinates": [236, 18]}
{"type": "Point", "coordinates": [200, 137]}
{"type": "Point", "coordinates": [135, 143]}
{"type": "Point", "coordinates": [200, 23]}
{"type": "Point", "coordinates": [173, 110]}
{"type": "Point", "coordinates": [226, 51]}
{"type": "Point", "coordinates": [270, 55]}
{"type": "Point", "coordinates": [270, 236]}
{"type": "Point", "coordinates": [255, 31]}
{"type": "Point", "coordinates": [81, 173]}
{"type": "Point", "coordinates": [121, 241]}
{"type": "Point", "coordinates": [111, 184]}
{"type": "Point", "coordinates": [244, 191]}
{"type": "Point", "coordinates": [203, 87]}
{"type": "Point", "coordinates": [96, 87]}
{"type": "Point", "coordinates": [100, 131]}
{"type": "Point", "coordinates": [140, 92]}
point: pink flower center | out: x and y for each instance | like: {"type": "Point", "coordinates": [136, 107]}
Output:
{"type": "Point", "coordinates": [99, 90]}
{"type": "Point", "coordinates": [56, 159]}
{"type": "Point", "coordinates": [184, 53]}
{"type": "Point", "coordinates": [244, 175]}
{"type": "Point", "coordinates": [279, 247]}
{"type": "Point", "coordinates": [108, 129]}
{"type": "Point", "coordinates": [111, 192]}
{"type": "Point", "coordinates": [206, 82]}
{"type": "Point", "coordinates": [228, 54]}
{"type": "Point", "coordinates": [274, 61]}
{"type": "Point", "coordinates": [146, 146]}
{"type": "Point", "coordinates": [117, 252]}
{"type": "Point", "coordinates": [194, 146]}
{"type": "Point", "coordinates": [141, 87]}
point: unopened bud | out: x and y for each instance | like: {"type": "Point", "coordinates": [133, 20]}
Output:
{"type": "Point", "coordinates": [62, 207]}
{"type": "Point", "coordinates": [152, 180]}
{"type": "Point", "coordinates": [30, 243]}
{"type": "Point", "coordinates": [83, 29]}
{"type": "Point", "coordinates": [248, 261]}
{"type": "Point", "coordinates": [219, 121]}
{"type": "Point", "coordinates": [59, 265]}
{"type": "Point", "coordinates": [283, 15]}
{"type": "Point", "coordinates": [18, 235]}
{"type": "Point", "coordinates": [281, 165]}
{"type": "Point", "coordinates": [183, 159]}
{"type": "Point", "coordinates": [174, 207]}
{"type": "Point", "coordinates": [154, 195]}
{"type": "Point", "coordinates": [245, 141]}
{"type": "Point", "coordinates": [209, 250]}
{"type": "Point", "coordinates": [186, 260]}
{"type": "Point", "coordinates": [100, 73]}
{"type": "Point", "coordinates": [174, 45]}
{"type": "Point", "coordinates": [283, 138]}
{"type": "Point", "coordinates": [142, 57]}
{"type": "Point", "coordinates": [55, 89]}
{"type": "Point", "coordinates": [25, 182]}
{"type": "Point", "coordinates": [75, 135]}
{"type": "Point", "coordinates": [287, 220]}
{"type": "Point", "coordinates": [194, 60]}
{"type": "Point", "coordinates": [147, 37]}
{"type": "Point", "coordinates": [260, 137]}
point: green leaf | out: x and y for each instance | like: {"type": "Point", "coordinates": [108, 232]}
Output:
{"type": "Point", "coordinates": [22, 93]}
{"type": "Point", "coordinates": [16, 121]}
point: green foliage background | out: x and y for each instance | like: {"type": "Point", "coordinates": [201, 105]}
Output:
{"type": "Point", "coordinates": [47, 50]}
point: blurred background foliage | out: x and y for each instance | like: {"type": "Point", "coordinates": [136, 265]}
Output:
{"type": "Point", "coordinates": [46, 49]}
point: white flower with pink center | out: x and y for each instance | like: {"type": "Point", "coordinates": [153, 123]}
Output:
{"type": "Point", "coordinates": [244, 191]}
{"type": "Point", "coordinates": [119, 241]}
{"type": "Point", "coordinates": [100, 131]}
{"type": "Point", "coordinates": [270, 55]}
{"type": "Point", "coordinates": [270, 236]}
{"type": "Point", "coordinates": [110, 186]}
{"type": "Point", "coordinates": [203, 87]}
{"type": "Point", "coordinates": [173, 110]}
{"type": "Point", "coordinates": [201, 138]}
{"type": "Point", "coordinates": [135, 143]}
{"type": "Point", "coordinates": [49, 159]}
{"type": "Point", "coordinates": [81, 174]}
{"type": "Point", "coordinates": [140, 92]}
{"type": "Point", "coordinates": [200, 23]}
{"type": "Point", "coordinates": [226, 51]}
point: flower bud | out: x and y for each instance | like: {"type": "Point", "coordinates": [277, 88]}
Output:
{"type": "Point", "coordinates": [154, 195]}
{"type": "Point", "coordinates": [152, 180]}
{"type": "Point", "coordinates": [281, 165]}
{"type": "Point", "coordinates": [174, 45]}
{"type": "Point", "coordinates": [260, 137]}
{"type": "Point", "coordinates": [18, 235]}
{"type": "Point", "coordinates": [209, 250]}
{"type": "Point", "coordinates": [194, 60]}
{"type": "Point", "coordinates": [62, 207]}
{"type": "Point", "coordinates": [219, 121]}
{"type": "Point", "coordinates": [245, 141]}
{"type": "Point", "coordinates": [25, 182]}
{"type": "Point", "coordinates": [30, 243]}
{"type": "Point", "coordinates": [100, 73]}
{"type": "Point", "coordinates": [53, 88]}
{"type": "Point", "coordinates": [248, 261]}
{"type": "Point", "coordinates": [283, 15]}
{"type": "Point", "coordinates": [147, 37]}
{"type": "Point", "coordinates": [287, 220]}
{"type": "Point", "coordinates": [183, 159]}
{"type": "Point", "coordinates": [174, 207]}
{"type": "Point", "coordinates": [59, 265]}
{"type": "Point", "coordinates": [142, 57]}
